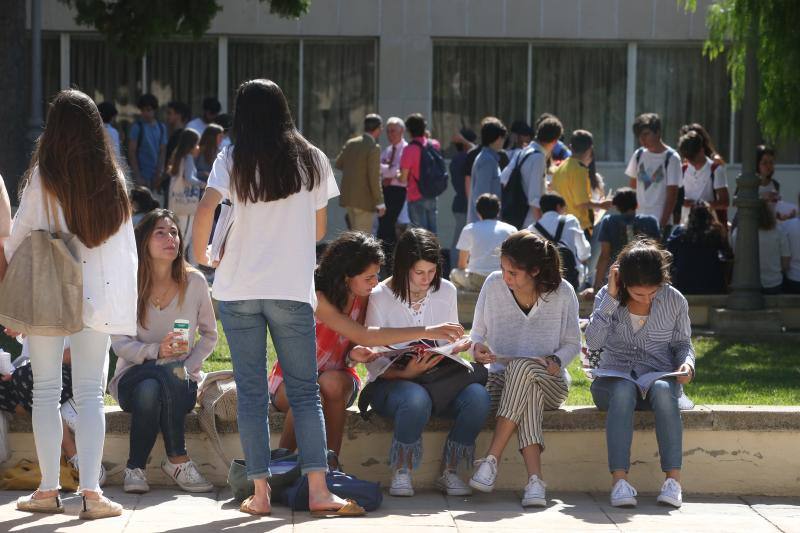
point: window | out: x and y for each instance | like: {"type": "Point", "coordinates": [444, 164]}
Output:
{"type": "Point", "coordinates": [339, 89]}
{"type": "Point", "coordinates": [585, 88]}
{"type": "Point", "coordinates": [474, 80]}
{"type": "Point", "coordinates": [184, 72]}
{"type": "Point", "coordinates": [276, 60]}
{"type": "Point", "coordinates": [683, 86]}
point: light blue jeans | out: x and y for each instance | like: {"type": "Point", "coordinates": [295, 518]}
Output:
{"type": "Point", "coordinates": [422, 214]}
{"type": "Point", "coordinates": [89, 350]}
{"type": "Point", "coordinates": [291, 325]}
{"type": "Point", "coordinates": [621, 398]}
{"type": "Point", "coordinates": [409, 404]}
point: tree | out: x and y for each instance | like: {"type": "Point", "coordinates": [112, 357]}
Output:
{"type": "Point", "coordinates": [133, 25]}
{"type": "Point", "coordinates": [777, 54]}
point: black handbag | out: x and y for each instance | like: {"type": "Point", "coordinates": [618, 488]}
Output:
{"type": "Point", "coordinates": [444, 381]}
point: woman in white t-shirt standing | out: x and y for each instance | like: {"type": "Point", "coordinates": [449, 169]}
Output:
{"type": "Point", "coordinates": [74, 164]}
{"type": "Point", "coordinates": [279, 185]}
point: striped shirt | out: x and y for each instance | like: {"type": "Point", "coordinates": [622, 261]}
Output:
{"type": "Point", "coordinates": [663, 344]}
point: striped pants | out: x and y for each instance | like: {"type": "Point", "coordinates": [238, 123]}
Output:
{"type": "Point", "coordinates": [521, 393]}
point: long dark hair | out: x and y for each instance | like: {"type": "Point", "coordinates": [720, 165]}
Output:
{"type": "Point", "coordinates": [271, 159]}
{"type": "Point", "coordinates": [415, 244]}
{"type": "Point", "coordinates": [703, 227]}
{"type": "Point", "coordinates": [530, 252]}
{"type": "Point", "coordinates": [180, 268]}
{"type": "Point", "coordinates": [642, 263]}
{"type": "Point", "coordinates": [187, 140]}
{"type": "Point", "coordinates": [348, 256]}
{"type": "Point", "coordinates": [208, 142]}
{"type": "Point", "coordinates": [709, 148]}
{"type": "Point", "coordinates": [79, 167]}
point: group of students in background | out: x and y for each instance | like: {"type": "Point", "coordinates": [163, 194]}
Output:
{"type": "Point", "coordinates": [326, 317]}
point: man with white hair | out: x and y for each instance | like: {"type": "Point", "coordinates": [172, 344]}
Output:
{"type": "Point", "coordinates": [394, 191]}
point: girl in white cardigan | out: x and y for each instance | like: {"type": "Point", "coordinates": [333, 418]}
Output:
{"type": "Point", "coordinates": [526, 328]}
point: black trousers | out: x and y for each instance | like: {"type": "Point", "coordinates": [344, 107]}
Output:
{"type": "Point", "coordinates": [394, 197]}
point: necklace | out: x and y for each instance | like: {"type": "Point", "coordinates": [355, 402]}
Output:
{"type": "Point", "coordinates": [522, 303]}
{"type": "Point", "coordinates": [156, 301]}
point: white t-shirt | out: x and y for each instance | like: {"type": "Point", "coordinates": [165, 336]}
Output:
{"type": "Point", "coordinates": [572, 235]}
{"type": "Point", "coordinates": [652, 180]}
{"type": "Point", "coordinates": [482, 240]}
{"type": "Point", "coordinates": [772, 245]}
{"type": "Point", "coordinates": [697, 182]}
{"type": "Point", "coordinates": [271, 250]}
{"type": "Point", "coordinates": [792, 230]}
{"type": "Point", "coordinates": [388, 311]}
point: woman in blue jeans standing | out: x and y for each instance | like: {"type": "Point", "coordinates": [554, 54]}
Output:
{"type": "Point", "coordinates": [157, 369]}
{"type": "Point", "coordinates": [279, 186]}
{"type": "Point", "coordinates": [640, 323]}
{"type": "Point", "coordinates": [416, 295]}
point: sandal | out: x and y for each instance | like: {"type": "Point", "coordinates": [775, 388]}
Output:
{"type": "Point", "coordinates": [351, 508]}
{"type": "Point", "coordinates": [245, 508]}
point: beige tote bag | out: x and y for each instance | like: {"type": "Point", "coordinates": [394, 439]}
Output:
{"type": "Point", "coordinates": [42, 292]}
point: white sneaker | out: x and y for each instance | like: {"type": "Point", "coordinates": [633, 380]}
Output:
{"type": "Point", "coordinates": [485, 475]}
{"type": "Point", "coordinates": [135, 481]}
{"type": "Point", "coordinates": [534, 493]}
{"type": "Point", "coordinates": [452, 485]}
{"type": "Point", "coordinates": [670, 493]}
{"type": "Point", "coordinates": [187, 476]}
{"type": "Point", "coordinates": [623, 494]}
{"type": "Point", "coordinates": [401, 483]}
{"type": "Point", "coordinates": [73, 461]}
{"type": "Point", "coordinates": [102, 508]}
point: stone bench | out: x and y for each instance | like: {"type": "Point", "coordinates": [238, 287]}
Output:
{"type": "Point", "coordinates": [727, 449]}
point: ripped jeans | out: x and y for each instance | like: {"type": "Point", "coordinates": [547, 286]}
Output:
{"type": "Point", "coordinates": [159, 397]}
{"type": "Point", "coordinates": [409, 404]}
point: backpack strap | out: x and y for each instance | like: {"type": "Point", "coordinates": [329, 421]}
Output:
{"type": "Point", "coordinates": [638, 153]}
{"type": "Point", "coordinates": [560, 229]}
{"type": "Point", "coordinates": [670, 151]}
{"type": "Point", "coordinates": [686, 165]}
{"type": "Point", "coordinates": [543, 231]}
{"type": "Point", "coordinates": [521, 162]}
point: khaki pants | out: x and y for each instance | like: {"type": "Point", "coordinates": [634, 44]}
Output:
{"type": "Point", "coordinates": [360, 219]}
{"type": "Point", "coordinates": [464, 279]}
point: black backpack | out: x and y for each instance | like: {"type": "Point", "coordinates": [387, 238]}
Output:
{"type": "Point", "coordinates": [515, 202]}
{"type": "Point", "coordinates": [569, 265]}
{"type": "Point", "coordinates": [432, 180]}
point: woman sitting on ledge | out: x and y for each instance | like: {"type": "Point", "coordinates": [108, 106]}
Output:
{"type": "Point", "coordinates": [640, 323]}
{"type": "Point", "coordinates": [157, 370]}
{"type": "Point", "coordinates": [347, 272]}
{"type": "Point", "coordinates": [526, 327]}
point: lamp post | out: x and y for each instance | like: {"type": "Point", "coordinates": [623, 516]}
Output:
{"type": "Point", "coordinates": [746, 286]}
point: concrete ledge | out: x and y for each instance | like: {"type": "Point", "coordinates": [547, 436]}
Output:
{"type": "Point", "coordinates": [728, 449]}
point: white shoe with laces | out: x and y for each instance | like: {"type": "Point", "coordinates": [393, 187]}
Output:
{"type": "Point", "coordinates": [452, 485]}
{"type": "Point", "coordinates": [401, 483]}
{"type": "Point", "coordinates": [186, 476]}
{"type": "Point", "coordinates": [534, 493]}
{"type": "Point", "coordinates": [671, 493]}
{"type": "Point", "coordinates": [135, 481]}
{"type": "Point", "coordinates": [485, 475]}
{"type": "Point", "coordinates": [623, 494]}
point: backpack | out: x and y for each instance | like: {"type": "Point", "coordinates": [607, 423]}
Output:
{"type": "Point", "coordinates": [432, 179]}
{"type": "Point", "coordinates": [514, 203]}
{"type": "Point", "coordinates": [366, 493]}
{"type": "Point", "coordinates": [569, 265]}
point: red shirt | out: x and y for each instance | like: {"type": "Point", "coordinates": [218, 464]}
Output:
{"type": "Point", "coordinates": [410, 160]}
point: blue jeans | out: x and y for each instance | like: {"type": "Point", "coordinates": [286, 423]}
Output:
{"type": "Point", "coordinates": [422, 213]}
{"type": "Point", "coordinates": [291, 325]}
{"type": "Point", "coordinates": [621, 398]}
{"type": "Point", "coordinates": [158, 398]}
{"type": "Point", "coordinates": [409, 404]}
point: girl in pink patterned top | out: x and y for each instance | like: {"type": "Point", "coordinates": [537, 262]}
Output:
{"type": "Point", "coordinates": [346, 274]}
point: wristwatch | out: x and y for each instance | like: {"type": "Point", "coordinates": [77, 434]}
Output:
{"type": "Point", "coordinates": [556, 359]}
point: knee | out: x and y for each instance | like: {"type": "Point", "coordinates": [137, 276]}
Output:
{"type": "Point", "coordinates": [662, 396]}
{"type": "Point", "coordinates": [146, 396]}
{"type": "Point", "coordinates": [622, 396]}
{"type": "Point", "coordinates": [475, 400]}
{"type": "Point", "coordinates": [416, 402]}
{"type": "Point", "coordinates": [334, 386]}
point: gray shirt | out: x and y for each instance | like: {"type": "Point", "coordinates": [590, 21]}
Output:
{"type": "Point", "coordinates": [663, 344]}
{"type": "Point", "coordinates": [485, 178]}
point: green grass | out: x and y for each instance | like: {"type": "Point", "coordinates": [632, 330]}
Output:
{"type": "Point", "coordinates": [728, 372]}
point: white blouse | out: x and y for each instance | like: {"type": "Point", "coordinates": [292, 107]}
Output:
{"type": "Point", "coordinates": [388, 311]}
{"type": "Point", "coordinates": [109, 270]}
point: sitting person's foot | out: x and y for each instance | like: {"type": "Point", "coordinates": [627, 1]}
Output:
{"type": "Point", "coordinates": [623, 494]}
{"type": "Point", "coordinates": [534, 495]}
{"type": "Point", "coordinates": [452, 485]}
{"type": "Point", "coordinates": [73, 462]}
{"type": "Point", "coordinates": [671, 493]}
{"type": "Point", "coordinates": [99, 507]}
{"type": "Point", "coordinates": [186, 476]}
{"type": "Point", "coordinates": [485, 475]}
{"type": "Point", "coordinates": [47, 502]}
{"type": "Point", "coordinates": [135, 481]}
{"type": "Point", "coordinates": [401, 483]}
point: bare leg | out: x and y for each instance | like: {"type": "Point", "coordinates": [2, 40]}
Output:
{"type": "Point", "coordinates": [336, 388]}
{"type": "Point", "coordinates": [503, 431]}
{"type": "Point", "coordinates": [532, 455]}
{"type": "Point", "coordinates": [288, 439]}
{"type": "Point", "coordinates": [68, 442]}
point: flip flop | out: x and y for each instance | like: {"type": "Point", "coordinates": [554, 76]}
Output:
{"type": "Point", "coordinates": [245, 508]}
{"type": "Point", "coordinates": [351, 508]}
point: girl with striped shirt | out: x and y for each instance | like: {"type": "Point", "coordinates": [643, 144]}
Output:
{"type": "Point", "coordinates": [526, 327]}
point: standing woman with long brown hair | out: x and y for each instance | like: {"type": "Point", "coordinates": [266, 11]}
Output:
{"type": "Point", "coordinates": [279, 185]}
{"type": "Point", "coordinates": [75, 184]}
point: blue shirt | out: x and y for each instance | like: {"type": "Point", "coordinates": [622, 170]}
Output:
{"type": "Point", "coordinates": [619, 229]}
{"type": "Point", "coordinates": [153, 138]}
{"type": "Point", "coordinates": [485, 178]}
{"type": "Point", "coordinates": [458, 172]}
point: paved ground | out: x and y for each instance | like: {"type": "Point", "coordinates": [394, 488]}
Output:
{"type": "Point", "coordinates": [165, 510]}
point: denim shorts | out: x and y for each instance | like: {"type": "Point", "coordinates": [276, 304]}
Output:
{"type": "Point", "coordinates": [350, 402]}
